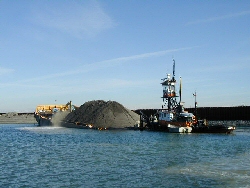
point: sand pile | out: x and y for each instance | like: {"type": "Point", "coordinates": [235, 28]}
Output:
{"type": "Point", "coordinates": [102, 114]}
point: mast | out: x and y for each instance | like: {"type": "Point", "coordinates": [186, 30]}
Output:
{"type": "Point", "coordinates": [173, 70]}
{"type": "Point", "coordinates": [169, 94]}
{"type": "Point", "coordinates": [180, 89]}
{"type": "Point", "coordinates": [195, 103]}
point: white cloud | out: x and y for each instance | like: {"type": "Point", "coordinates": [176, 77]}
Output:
{"type": "Point", "coordinates": [109, 84]}
{"type": "Point", "coordinates": [105, 64]}
{"type": "Point", "coordinates": [147, 55]}
{"type": "Point", "coordinates": [82, 19]}
{"type": "Point", "coordinates": [217, 18]}
{"type": "Point", "coordinates": [4, 71]}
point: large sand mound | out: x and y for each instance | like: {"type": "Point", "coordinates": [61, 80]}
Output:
{"type": "Point", "coordinates": [103, 114]}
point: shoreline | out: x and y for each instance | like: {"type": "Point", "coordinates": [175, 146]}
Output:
{"type": "Point", "coordinates": [17, 118]}
{"type": "Point", "coordinates": [28, 118]}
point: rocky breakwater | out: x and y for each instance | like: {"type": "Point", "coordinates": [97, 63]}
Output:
{"type": "Point", "coordinates": [100, 114]}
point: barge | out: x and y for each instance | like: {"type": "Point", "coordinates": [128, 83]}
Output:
{"type": "Point", "coordinates": [44, 114]}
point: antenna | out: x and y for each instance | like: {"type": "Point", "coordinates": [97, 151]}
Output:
{"type": "Point", "coordinates": [195, 103]}
{"type": "Point", "coordinates": [180, 90]}
{"type": "Point", "coordinates": [173, 68]}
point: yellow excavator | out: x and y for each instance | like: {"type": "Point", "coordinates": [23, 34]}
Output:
{"type": "Point", "coordinates": [44, 113]}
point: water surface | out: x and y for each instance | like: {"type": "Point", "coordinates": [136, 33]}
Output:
{"type": "Point", "coordinates": [34, 156]}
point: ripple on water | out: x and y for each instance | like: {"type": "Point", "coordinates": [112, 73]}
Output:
{"type": "Point", "coordinates": [58, 157]}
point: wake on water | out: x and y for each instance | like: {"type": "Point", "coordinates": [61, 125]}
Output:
{"type": "Point", "coordinates": [41, 129]}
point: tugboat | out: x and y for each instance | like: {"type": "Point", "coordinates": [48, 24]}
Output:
{"type": "Point", "coordinates": [172, 115]}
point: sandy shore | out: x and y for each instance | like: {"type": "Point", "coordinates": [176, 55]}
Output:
{"type": "Point", "coordinates": [15, 118]}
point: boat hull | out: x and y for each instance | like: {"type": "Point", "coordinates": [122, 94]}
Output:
{"type": "Point", "coordinates": [42, 121]}
{"type": "Point", "coordinates": [213, 129]}
{"type": "Point", "coordinates": [193, 129]}
{"type": "Point", "coordinates": [174, 123]}
{"type": "Point", "coordinates": [180, 129]}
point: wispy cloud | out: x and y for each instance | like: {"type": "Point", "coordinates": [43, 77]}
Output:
{"type": "Point", "coordinates": [106, 63]}
{"type": "Point", "coordinates": [79, 19]}
{"type": "Point", "coordinates": [217, 18]}
{"type": "Point", "coordinates": [147, 55]}
{"type": "Point", "coordinates": [66, 87]}
{"type": "Point", "coordinates": [4, 71]}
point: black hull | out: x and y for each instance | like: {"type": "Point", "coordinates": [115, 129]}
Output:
{"type": "Point", "coordinates": [157, 127]}
{"type": "Point", "coordinates": [195, 129]}
{"type": "Point", "coordinates": [213, 129]}
{"type": "Point", "coordinates": [42, 121]}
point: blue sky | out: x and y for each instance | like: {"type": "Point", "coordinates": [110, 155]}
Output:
{"type": "Point", "coordinates": [57, 51]}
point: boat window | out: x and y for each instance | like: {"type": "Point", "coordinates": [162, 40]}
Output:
{"type": "Point", "coordinates": [189, 119]}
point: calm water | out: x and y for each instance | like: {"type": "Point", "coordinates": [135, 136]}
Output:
{"type": "Point", "coordinates": [59, 157]}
